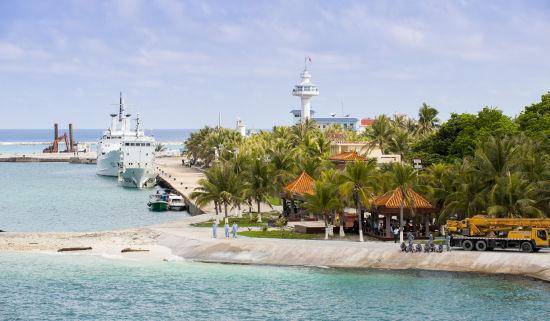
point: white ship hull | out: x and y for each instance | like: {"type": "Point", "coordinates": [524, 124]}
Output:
{"type": "Point", "coordinates": [137, 177]}
{"type": "Point", "coordinates": [107, 165]}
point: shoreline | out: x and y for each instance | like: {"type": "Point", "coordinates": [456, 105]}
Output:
{"type": "Point", "coordinates": [178, 240]}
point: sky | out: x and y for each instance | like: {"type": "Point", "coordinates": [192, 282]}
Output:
{"type": "Point", "coordinates": [182, 64]}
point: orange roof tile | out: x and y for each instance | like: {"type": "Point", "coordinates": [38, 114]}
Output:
{"type": "Point", "coordinates": [392, 199]}
{"type": "Point", "coordinates": [348, 157]}
{"type": "Point", "coordinates": [367, 121]}
{"type": "Point", "coordinates": [302, 185]}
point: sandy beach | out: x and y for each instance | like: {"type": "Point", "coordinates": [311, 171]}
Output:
{"type": "Point", "coordinates": [179, 240]}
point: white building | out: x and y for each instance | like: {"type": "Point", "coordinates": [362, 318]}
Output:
{"type": "Point", "coordinates": [240, 127]}
{"type": "Point", "coordinates": [305, 89]}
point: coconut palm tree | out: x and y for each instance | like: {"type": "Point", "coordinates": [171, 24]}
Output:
{"type": "Point", "coordinates": [221, 186]}
{"type": "Point", "coordinates": [513, 196]}
{"type": "Point", "coordinates": [436, 182]}
{"type": "Point", "coordinates": [334, 177]}
{"type": "Point", "coordinates": [283, 160]}
{"type": "Point", "coordinates": [259, 182]}
{"type": "Point", "coordinates": [209, 189]}
{"type": "Point", "coordinates": [400, 144]}
{"type": "Point", "coordinates": [427, 120]}
{"type": "Point", "coordinates": [323, 201]}
{"type": "Point", "coordinates": [404, 177]}
{"type": "Point", "coordinates": [379, 134]}
{"type": "Point", "coordinates": [356, 183]}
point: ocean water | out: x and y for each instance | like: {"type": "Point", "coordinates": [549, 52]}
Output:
{"type": "Point", "coordinates": [85, 135]}
{"type": "Point", "coordinates": [35, 140]}
{"type": "Point", "coordinates": [70, 197]}
{"type": "Point", "coordinates": [66, 287]}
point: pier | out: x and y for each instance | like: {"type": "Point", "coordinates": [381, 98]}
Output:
{"type": "Point", "coordinates": [182, 179]}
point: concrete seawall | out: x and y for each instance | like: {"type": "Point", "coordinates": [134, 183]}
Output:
{"type": "Point", "coordinates": [196, 244]}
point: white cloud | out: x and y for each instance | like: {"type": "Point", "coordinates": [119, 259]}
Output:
{"type": "Point", "coordinates": [9, 51]}
{"type": "Point", "coordinates": [406, 35]}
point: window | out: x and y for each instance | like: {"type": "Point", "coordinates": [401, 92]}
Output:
{"type": "Point", "coordinates": [541, 234]}
{"type": "Point", "coordinates": [126, 144]}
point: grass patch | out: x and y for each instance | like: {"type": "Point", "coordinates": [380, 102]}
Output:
{"type": "Point", "coordinates": [241, 222]}
{"type": "Point", "coordinates": [275, 234]}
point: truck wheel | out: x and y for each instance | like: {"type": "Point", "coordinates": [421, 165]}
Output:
{"type": "Point", "coordinates": [481, 246]}
{"type": "Point", "coordinates": [536, 249]}
{"type": "Point", "coordinates": [468, 245]}
{"type": "Point", "coordinates": [526, 247]}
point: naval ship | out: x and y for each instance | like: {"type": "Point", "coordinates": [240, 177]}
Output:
{"type": "Point", "coordinates": [125, 153]}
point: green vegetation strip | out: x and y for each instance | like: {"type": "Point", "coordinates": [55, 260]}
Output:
{"type": "Point", "coordinates": [241, 222]}
{"type": "Point", "coordinates": [274, 234]}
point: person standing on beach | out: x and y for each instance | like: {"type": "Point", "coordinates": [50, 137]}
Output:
{"type": "Point", "coordinates": [395, 234]}
{"type": "Point", "coordinates": [410, 237]}
{"type": "Point", "coordinates": [226, 230]}
{"type": "Point", "coordinates": [214, 229]}
{"type": "Point", "coordinates": [234, 229]}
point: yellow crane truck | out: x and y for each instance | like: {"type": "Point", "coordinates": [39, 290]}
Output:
{"type": "Point", "coordinates": [482, 233]}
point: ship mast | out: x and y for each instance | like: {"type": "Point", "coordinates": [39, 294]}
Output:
{"type": "Point", "coordinates": [137, 125]}
{"type": "Point", "coordinates": [121, 108]}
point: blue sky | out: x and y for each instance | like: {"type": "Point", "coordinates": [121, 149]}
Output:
{"type": "Point", "coordinates": [181, 63]}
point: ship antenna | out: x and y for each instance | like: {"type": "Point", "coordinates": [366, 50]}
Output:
{"type": "Point", "coordinates": [121, 108]}
{"type": "Point", "coordinates": [137, 125]}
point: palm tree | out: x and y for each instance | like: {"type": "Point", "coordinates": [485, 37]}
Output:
{"type": "Point", "coordinates": [513, 196]}
{"type": "Point", "coordinates": [400, 144]}
{"type": "Point", "coordinates": [379, 134]}
{"type": "Point", "coordinates": [259, 182]}
{"type": "Point", "coordinates": [282, 158]}
{"type": "Point", "coordinates": [404, 177]}
{"type": "Point", "coordinates": [221, 186]}
{"type": "Point", "coordinates": [209, 189]}
{"type": "Point", "coordinates": [334, 177]}
{"type": "Point", "coordinates": [357, 180]}
{"type": "Point", "coordinates": [323, 201]}
{"type": "Point", "coordinates": [436, 182]}
{"type": "Point", "coordinates": [466, 197]}
{"type": "Point", "coordinates": [427, 119]}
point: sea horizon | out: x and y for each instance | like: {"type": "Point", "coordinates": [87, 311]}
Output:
{"type": "Point", "coordinates": [85, 135]}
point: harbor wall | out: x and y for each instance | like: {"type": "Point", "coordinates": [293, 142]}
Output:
{"type": "Point", "coordinates": [197, 244]}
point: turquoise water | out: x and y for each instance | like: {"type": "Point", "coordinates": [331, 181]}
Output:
{"type": "Point", "coordinates": [61, 287]}
{"type": "Point", "coordinates": [70, 197]}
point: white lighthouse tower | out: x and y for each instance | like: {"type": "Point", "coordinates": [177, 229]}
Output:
{"type": "Point", "coordinates": [305, 90]}
{"type": "Point", "coordinates": [240, 127]}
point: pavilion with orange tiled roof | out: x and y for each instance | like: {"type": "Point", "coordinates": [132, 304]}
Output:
{"type": "Point", "coordinates": [340, 160]}
{"type": "Point", "coordinates": [389, 204]}
{"type": "Point", "coordinates": [294, 193]}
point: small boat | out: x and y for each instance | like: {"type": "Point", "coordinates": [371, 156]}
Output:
{"type": "Point", "coordinates": [158, 202]}
{"type": "Point", "coordinates": [176, 202]}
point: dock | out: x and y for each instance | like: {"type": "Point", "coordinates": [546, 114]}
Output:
{"type": "Point", "coordinates": [182, 179]}
{"type": "Point", "coordinates": [80, 158]}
